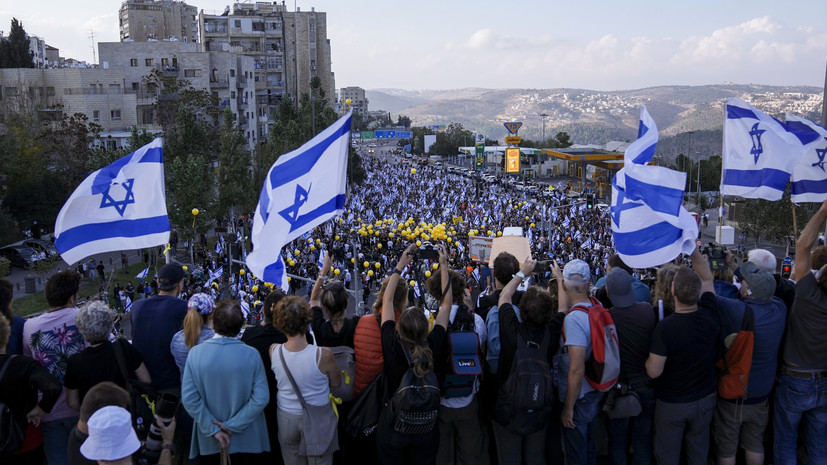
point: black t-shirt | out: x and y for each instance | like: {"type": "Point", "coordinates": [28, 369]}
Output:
{"type": "Point", "coordinates": [509, 326]}
{"type": "Point", "coordinates": [396, 364]}
{"type": "Point", "coordinates": [805, 343]}
{"type": "Point", "coordinates": [76, 439]}
{"type": "Point", "coordinates": [96, 364]}
{"type": "Point", "coordinates": [634, 325]}
{"type": "Point", "coordinates": [154, 321]}
{"type": "Point", "coordinates": [691, 344]}
{"type": "Point", "coordinates": [23, 379]}
{"type": "Point", "coordinates": [326, 337]}
{"type": "Point", "coordinates": [488, 301]}
{"type": "Point", "coordinates": [261, 338]}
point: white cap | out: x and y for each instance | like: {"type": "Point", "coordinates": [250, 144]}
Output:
{"type": "Point", "coordinates": [111, 436]}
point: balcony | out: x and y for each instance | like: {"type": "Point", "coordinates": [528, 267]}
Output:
{"type": "Point", "coordinates": [243, 123]}
{"type": "Point", "coordinates": [241, 79]}
{"type": "Point", "coordinates": [219, 82]}
{"type": "Point", "coordinates": [241, 102]}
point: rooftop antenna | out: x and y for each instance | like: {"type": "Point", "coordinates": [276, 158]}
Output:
{"type": "Point", "coordinates": [92, 39]}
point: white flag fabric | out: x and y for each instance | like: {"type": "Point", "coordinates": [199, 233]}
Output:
{"type": "Point", "coordinates": [809, 178]}
{"type": "Point", "coordinates": [119, 207]}
{"type": "Point", "coordinates": [128, 305]}
{"type": "Point", "coordinates": [649, 225]}
{"type": "Point", "coordinates": [303, 189]}
{"type": "Point", "coordinates": [142, 274]}
{"type": "Point", "coordinates": [759, 153]}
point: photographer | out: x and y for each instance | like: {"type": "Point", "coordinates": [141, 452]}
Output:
{"type": "Point", "coordinates": [112, 441]}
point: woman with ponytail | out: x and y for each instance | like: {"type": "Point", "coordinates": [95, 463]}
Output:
{"type": "Point", "coordinates": [197, 328]}
{"type": "Point", "coordinates": [410, 334]}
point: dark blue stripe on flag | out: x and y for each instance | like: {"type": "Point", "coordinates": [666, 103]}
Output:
{"type": "Point", "coordinates": [264, 203]}
{"type": "Point", "coordinates": [808, 186]}
{"type": "Point", "coordinates": [647, 239]}
{"type": "Point", "coordinates": [658, 198]}
{"type": "Point", "coordinates": [153, 155]}
{"type": "Point", "coordinates": [82, 234]}
{"type": "Point", "coordinates": [302, 164]}
{"type": "Point", "coordinates": [105, 176]}
{"type": "Point", "coordinates": [804, 133]}
{"type": "Point", "coordinates": [336, 203]}
{"type": "Point", "coordinates": [733, 112]}
{"type": "Point", "coordinates": [645, 155]}
{"type": "Point", "coordinates": [274, 272]}
{"type": "Point", "coordinates": [769, 177]}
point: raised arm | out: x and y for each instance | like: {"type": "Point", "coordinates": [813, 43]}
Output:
{"type": "Point", "coordinates": [508, 291]}
{"type": "Point", "coordinates": [388, 313]}
{"type": "Point", "coordinates": [563, 304]}
{"type": "Point", "coordinates": [444, 314]}
{"type": "Point", "coordinates": [805, 242]}
{"type": "Point", "coordinates": [316, 295]}
{"type": "Point", "coordinates": [700, 263]}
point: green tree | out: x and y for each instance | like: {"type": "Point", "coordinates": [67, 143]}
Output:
{"type": "Point", "coordinates": [235, 180]}
{"type": "Point", "coordinates": [403, 121]}
{"type": "Point", "coordinates": [190, 184]}
{"type": "Point", "coordinates": [14, 51]}
{"type": "Point", "coordinates": [770, 220]}
{"type": "Point", "coordinates": [173, 94]}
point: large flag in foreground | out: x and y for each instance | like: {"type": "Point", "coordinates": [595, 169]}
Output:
{"type": "Point", "coordinates": [303, 189]}
{"type": "Point", "coordinates": [649, 225]}
{"type": "Point", "coordinates": [809, 178]}
{"type": "Point", "coordinates": [759, 152]}
{"type": "Point", "coordinates": [119, 207]}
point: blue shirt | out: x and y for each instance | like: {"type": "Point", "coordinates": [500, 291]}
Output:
{"type": "Point", "coordinates": [641, 291]}
{"type": "Point", "coordinates": [154, 321]}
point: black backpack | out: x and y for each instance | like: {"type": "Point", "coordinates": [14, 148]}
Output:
{"type": "Point", "coordinates": [12, 431]}
{"type": "Point", "coordinates": [526, 398]}
{"type": "Point", "coordinates": [463, 365]}
{"type": "Point", "coordinates": [415, 404]}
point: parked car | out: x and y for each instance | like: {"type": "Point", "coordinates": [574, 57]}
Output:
{"type": "Point", "coordinates": [19, 256]}
{"type": "Point", "coordinates": [41, 245]}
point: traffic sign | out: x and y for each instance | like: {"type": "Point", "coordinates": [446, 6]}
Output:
{"type": "Point", "coordinates": [404, 134]}
{"type": "Point", "coordinates": [513, 127]}
{"type": "Point", "coordinates": [367, 134]}
{"type": "Point", "coordinates": [387, 134]}
{"type": "Point", "coordinates": [512, 140]}
{"type": "Point", "coordinates": [788, 260]}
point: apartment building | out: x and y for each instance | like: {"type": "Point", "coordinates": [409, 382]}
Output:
{"type": "Point", "coordinates": [99, 94]}
{"type": "Point", "coordinates": [289, 48]}
{"type": "Point", "coordinates": [228, 76]}
{"type": "Point", "coordinates": [358, 101]}
{"type": "Point", "coordinates": [148, 20]}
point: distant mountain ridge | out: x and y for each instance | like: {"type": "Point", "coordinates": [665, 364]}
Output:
{"type": "Point", "coordinates": [596, 117]}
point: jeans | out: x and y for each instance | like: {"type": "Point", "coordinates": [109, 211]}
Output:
{"type": "Point", "coordinates": [56, 440]}
{"type": "Point", "coordinates": [578, 442]}
{"type": "Point", "coordinates": [514, 449]}
{"type": "Point", "coordinates": [798, 399]}
{"type": "Point", "coordinates": [637, 429]}
{"type": "Point", "coordinates": [682, 430]}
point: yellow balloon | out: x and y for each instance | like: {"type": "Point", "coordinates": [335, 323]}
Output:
{"type": "Point", "coordinates": [195, 212]}
{"type": "Point", "coordinates": [376, 233]}
{"type": "Point", "coordinates": [297, 251]}
{"type": "Point", "coordinates": [499, 233]}
{"type": "Point", "coordinates": [377, 264]}
{"type": "Point", "coordinates": [255, 289]}
{"type": "Point", "coordinates": [370, 272]}
{"type": "Point", "coordinates": [312, 247]}
{"type": "Point", "coordinates": [318, 241]}
{"type": "Point", "coordinates": [257, 303]}
{"type": "Point", "coordinates": [390, 234]}
{"type": "Point", "coordinates": [531, 225]}
{"type": "Point", "coordinates": [352, 260]}
{"type": "Point", "coordinates": [309, 240]}
{"type": "Point", "coordinates": [449, 240]}
{"type": "Point", "coordinates": [289, 279]}
{"type": "Point", "coordinates": [241, 272]}
{"type": "Point", "coordinates": [186, 268]}
{"type": "Point", "coordinates": [428, 274]}
{"type": "Point", "coordinates": [418, 243]}
{"type": "Point", "coordinates": [336, 237]}
{"type": "Point", "coordinates": [253, 277]}
{"type": "Point", "coordinates": [412, 283]}
{"type": "Point", "coordinates": [366, 264]}
{"type": "Point", "coordinates": [435, 266]}
{"type": "Point", "coordinates": [413, 171]}
{"type": "Point", "coordinates": [336, 271]}
{"type": "Point", "coordinates": [379, 246]}
{"type": "Point", "coordinates": [526, 218]}
{"type": "Point", "coordinates": [347, 101]}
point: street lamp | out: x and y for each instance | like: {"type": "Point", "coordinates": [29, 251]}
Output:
{"type": "Point", "coordinates": [544, 116]}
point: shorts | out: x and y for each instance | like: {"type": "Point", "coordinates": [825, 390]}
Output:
{"type": "Point", "coordinates": [740, 424]}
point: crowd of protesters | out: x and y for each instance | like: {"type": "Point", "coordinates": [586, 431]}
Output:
{"type": "Point", "coordinates": [265, 377]}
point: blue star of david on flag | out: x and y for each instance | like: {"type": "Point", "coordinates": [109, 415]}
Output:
{"type": "Point", "coordinates": [757, 149]}
{"type": "Point", "coordinates": [821, 153]}
{"type": "Point", "coordinates": [291, 213]}
{"type": "Point", "coordinates": [119, 205]}
{"type": "Point", "coordinates": [621, 206]}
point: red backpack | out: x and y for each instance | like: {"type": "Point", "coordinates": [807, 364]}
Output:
{"type": "Point", "coordinates": [603, 366]}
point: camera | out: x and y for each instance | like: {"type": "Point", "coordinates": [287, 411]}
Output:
{"type": "Point", "coordinates": [428, 251]}
{"type": "Point", "coordinates": [716, 255]}
{"type": "Point", "coordinates": [543, 266]}
{"type": "Point", "coordinates": [165, 409]}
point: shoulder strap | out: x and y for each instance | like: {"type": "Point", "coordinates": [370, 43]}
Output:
{"type": "Point", "coordinates": [748, 320]}
{"type": "Point", "coordinates": [5, 365]}
{"type": "Point", "coordinates": [290, 377]}
{"type": "Point", "coordinates": [121, 361]}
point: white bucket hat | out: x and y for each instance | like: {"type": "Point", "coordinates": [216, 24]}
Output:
{"type": "Point", "coordinates": [111, 436]}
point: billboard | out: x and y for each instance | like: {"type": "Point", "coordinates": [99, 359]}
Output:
{"type": "Point", "coordinates": [480, 248]}
{"type": "Point", "coordinates": [429, 141]}
{"type": "Point", "coordinates": [512, 160]}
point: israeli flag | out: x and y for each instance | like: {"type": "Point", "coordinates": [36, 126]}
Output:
{"type": "Point", "coordinates": [218, 248]}
{"type": "Point", "coordinates": [759, 153]}
{"type": "Point", "coordinates": [460, 247]}
{"type": "Point", "coordinates": [216, 275]}
{"type": "Point", "coordinates": [142, 274]}
{"type": "Point", "coordinates": [245, 308]}
{"type": "Point", "coordinates": [128, 305]}
{"type": "Point", "coordinates": [809, 177]}
{"type": "Point", "coordinates": [303, 189]}
{"type": "Point", "coordinates": [476, 274]}
{"type": "Point", "coordinates": [641, 151]}
{"type": "Point", "coordinates": [416, 290]}
{"type": "Point", "coordinates": [320, 262]}
{"type": "Point", "coordinates": [119, 207]}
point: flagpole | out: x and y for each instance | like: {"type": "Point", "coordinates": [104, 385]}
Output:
{"type": "Point", "coordinates": [795, 225]}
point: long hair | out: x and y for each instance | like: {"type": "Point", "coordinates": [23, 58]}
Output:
{"type": "Point", "coordinates": [193, 322]}
{"type": "Point", "coordinates": [413, 333]}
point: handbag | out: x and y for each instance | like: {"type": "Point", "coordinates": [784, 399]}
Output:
{"type": "Point", "coordinates": [12, 433]}
{"type": "Point", "coordinates": [142, 397]}
{"type": "Point", "coordinates": [367, 408]}
{"type": "Point", "coordinates": [622, 402]}
{"type": "Point", "coordinates": [319, 424]}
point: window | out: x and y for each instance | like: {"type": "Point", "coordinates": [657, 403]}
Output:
{"type": "Point", "coordinates": [192, 73]}
{"type": "Point", "coordinates": [148, 61]}
{"type": "Point", "coordinates": [232, 73]}
{"type": "Point", "coordinates": [96, 115]}
{"type": "Point", "coordinates": [136, 86]}
{"type": "Point", "coordinates": [133, 62]}
{"type": "Point", "coordinates": [237, 23]}
{"type": "Point", "coordinates": [11, 91]}
{"type": "Point", "coordinates": [116, 115]}
{"type": "Point", "coordinates": [164, 61]}
{"type": "Point", "coordinates": [50, 91]}
{"type": "Point", "coordinates": [114, 89]}
{"type": "Point", "coordinates": [232, 94]}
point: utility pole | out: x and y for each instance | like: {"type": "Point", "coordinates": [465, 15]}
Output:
{"type": "Point", "coordinates": [544, 116]}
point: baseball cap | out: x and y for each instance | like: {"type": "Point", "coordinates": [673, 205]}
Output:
{"type": "Point", "coordinates": [577, 267]}
{"type": "Point", "coordinates": [761, 283]}
{"type": "Point", "coordinates": [111, 436]}
{"type": "Point", "coordinates": [204, 303]}
{"type": "Point", "coordinates": [170, 275]}
{"type": "Point", "coordinates": [619, 286]}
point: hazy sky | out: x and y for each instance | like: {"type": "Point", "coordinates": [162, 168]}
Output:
{"type": "Point", "coordinates": [590, 44]}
